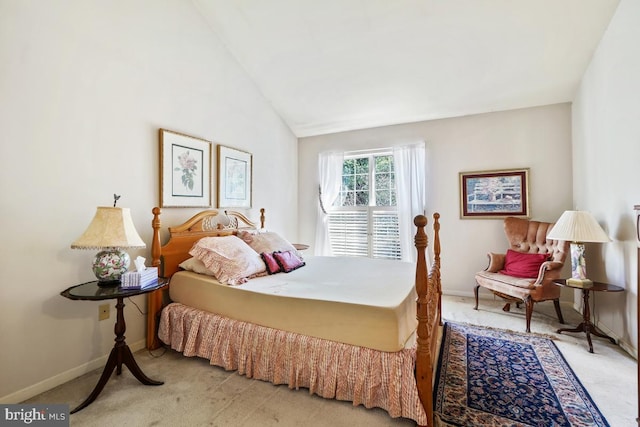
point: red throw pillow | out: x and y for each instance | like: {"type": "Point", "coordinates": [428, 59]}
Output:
{"type": "Point", "coordinates": [518, 264]}
{"type": "Point", "coordinates": [288, 261]}
{"type": "Point", "coordinates": [272, 265]}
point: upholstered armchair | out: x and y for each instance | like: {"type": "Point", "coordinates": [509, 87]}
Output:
{"type": "Point", "coordinates": [525, 274]}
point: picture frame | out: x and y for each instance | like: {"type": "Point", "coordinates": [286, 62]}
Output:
{"type": "Point", "coordinates": [235, 172]}
{"type": "Point", "coordinates": [185, 171]}
{"type": "Point", "coordinates": [494, 193]}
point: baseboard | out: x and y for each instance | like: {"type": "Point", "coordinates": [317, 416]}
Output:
{"type": "Point", "coordinates": [622, 343]}
{"type": "Point", "coordinates": [628, 348]}
{"type": "Point", "coordinates": [63, 377]}
{"type": "Point", "coordinates": [460, 294]}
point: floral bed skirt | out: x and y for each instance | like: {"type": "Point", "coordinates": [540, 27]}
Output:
{"type": "Point", "coordinates": [329, 369]}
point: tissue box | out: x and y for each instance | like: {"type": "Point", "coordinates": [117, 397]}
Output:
{"type": "Point", "coordinates": [139, 279]}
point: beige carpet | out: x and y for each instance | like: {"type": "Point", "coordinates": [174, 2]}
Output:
{"type": "Point", "coordinates": [197, 394]}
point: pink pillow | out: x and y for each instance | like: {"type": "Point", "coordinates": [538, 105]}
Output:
{"type": "Point", "coordinates": [518, 264]}
{"type": "Point", "coordinates": [230, 259]}
{"type": "Point", "coordinates": [288, 261]}
{"type": "Point", "coordinates": [272, 265]}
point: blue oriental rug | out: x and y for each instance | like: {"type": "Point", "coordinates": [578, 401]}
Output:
{"type": "Point", "coordinates": [490, 377]}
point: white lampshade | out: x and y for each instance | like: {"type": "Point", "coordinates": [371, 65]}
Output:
{"type": "Point", "coordinates": [578, 226]}
{"type": "Point", "coordinates": [110, 228]}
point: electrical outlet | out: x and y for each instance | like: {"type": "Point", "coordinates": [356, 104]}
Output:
{"type": "Point", "coordinates": [104, 311]}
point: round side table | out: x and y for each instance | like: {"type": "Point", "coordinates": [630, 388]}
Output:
{"type": "Point", "coordinates": [586, 326]}
{"type": "Point", "coordinates": [120, 354]}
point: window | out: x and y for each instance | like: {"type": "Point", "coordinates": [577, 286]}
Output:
{"type": "Point", "coordinates": [364, 219]}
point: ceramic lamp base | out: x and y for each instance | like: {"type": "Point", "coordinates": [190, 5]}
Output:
{"type": "Point", "coordinates": [578, 267]}
{"type": "Point", "coordinates": [109, 266]}
{"type": "Point", "coordinates": [578, 262]}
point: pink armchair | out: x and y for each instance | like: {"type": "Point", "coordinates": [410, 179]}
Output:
{"type": "Point", "coordinates": [527, 271]}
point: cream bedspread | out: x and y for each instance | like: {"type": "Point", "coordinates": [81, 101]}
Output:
{"type": "Point", "coordinates": [363, 302]}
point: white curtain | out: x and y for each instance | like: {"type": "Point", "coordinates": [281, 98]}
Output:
{"type": "Point", "coordinates": [409, 162]}
{"type": "Point", "coordinates": [330, 178]}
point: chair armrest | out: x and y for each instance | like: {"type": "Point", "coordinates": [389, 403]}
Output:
{"type": "Point", "coordinates": [496, 262]}
{"type": "Point", "coordinates": [549, 270]}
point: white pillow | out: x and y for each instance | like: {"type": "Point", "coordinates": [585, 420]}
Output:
{"type": "Point", "coordinates": [195, 265]}
{"type": "Point", "coordinates": [230, 259]}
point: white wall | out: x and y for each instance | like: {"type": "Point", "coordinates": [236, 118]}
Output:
{"type": "Point", "coordinates": [537, 138]}
{"type": "Point", "coordinates": [84, 87]}
{"type": "Point", "coordinates": [606, 151]}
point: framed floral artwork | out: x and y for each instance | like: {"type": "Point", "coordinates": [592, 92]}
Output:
{"type": "Point", "coordinates": [234, 178]}
{"type": "Point", "coordinates": [494, 194]}
{"type": "Point", "coordinates": [185, 170]}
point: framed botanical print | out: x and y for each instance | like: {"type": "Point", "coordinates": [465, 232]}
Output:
{"type": "Point", "coordinates": [185, 170]}
{"type": "Point", "coordinates": [494, 194]}
{"type": "Point", "coordinates": [234, 178]}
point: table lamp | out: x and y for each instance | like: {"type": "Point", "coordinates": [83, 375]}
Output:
{"type": "Point", "coordinates": [578, 227]}
{"type": "Point", "coordinates": [111, 230]}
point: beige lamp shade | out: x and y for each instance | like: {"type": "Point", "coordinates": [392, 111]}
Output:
{"type": "Point", "coordinates": [110, 228]}
{"type": "Point", "coordinates": [578, 226]}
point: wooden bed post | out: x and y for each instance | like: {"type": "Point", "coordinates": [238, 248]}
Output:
{"type": "Point", "coordinates": [423, 355]}
{"type": "Point", "coordinates": [436, 263]}
{"type": "Point", "coordinates": [155, 240]}
{"type": "Point", "coordinates": [154, 301]}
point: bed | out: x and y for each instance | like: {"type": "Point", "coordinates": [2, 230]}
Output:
{"type": "Point", "coordinates": [354, 329]}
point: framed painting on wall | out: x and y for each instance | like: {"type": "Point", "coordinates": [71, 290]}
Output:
{"type": "Point", "coordinates": [234, 178]}
{"type": "Point", "coordinates": [494, 194]}
{"type": "Point", "coordinates": [185, 170]}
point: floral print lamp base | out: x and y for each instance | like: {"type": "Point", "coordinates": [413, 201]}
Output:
{"type": "Point", "coordinates": [110, 265]}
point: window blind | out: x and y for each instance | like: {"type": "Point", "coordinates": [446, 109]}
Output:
{"type": "Point", "coordinates": [349, 232]}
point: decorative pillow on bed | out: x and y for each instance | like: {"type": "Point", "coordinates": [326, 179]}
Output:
{"type": "Point", "coordinates": [230, 259]}
{"type": "Point", "coordinates": [268, 242]}
{"type": "Point", "coordinates": [272, 265]}
{"type": "Point", "coordinates": [288, 260]}
{"type": "Point", "coordinates": [518, 264]}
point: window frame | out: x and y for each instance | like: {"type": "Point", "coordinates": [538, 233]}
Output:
{"type": "Point", "coordinates": [370, 209]}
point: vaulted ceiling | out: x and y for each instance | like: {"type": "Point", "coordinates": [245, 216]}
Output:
{"type": "Point", "coordinates": [334, 65]}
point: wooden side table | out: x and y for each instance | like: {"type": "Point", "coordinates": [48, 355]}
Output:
{"type": "Point", "coordinates": [586, 326]}
{"type": "Point", "coordinates": [120, 354]}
